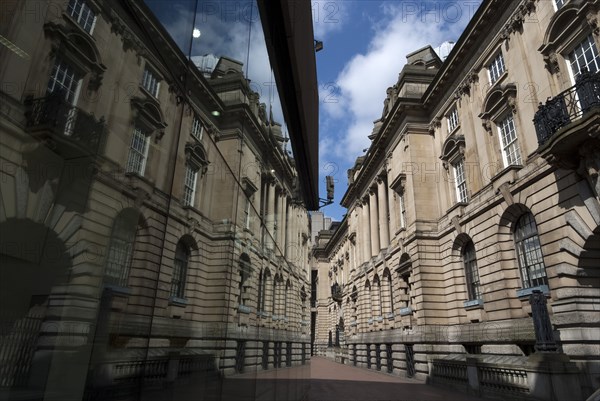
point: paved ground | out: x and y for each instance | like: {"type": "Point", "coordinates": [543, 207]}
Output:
{"type": "Point", "coordinates": [330, 381]}
{"type": "Point", "coordinates": [319, 380]}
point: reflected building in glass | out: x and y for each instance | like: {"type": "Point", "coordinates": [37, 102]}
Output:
{"type": "Point", "coordinates": [154, 230]}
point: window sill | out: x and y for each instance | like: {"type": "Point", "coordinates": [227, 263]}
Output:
{"type": "Point", "coordinates": [118, 290]}
{"type": "Point", "coordinates": [453, 130]}
{"type": "Point", "coordinates": [457, 205]}
{"type": "Point", "coordinates": [524, 293]}
{"type": "Point", "coordinates": [150, 95]}
{"type": "Point", "coordinates": [473, 304]}
{"type": "Point", "coordinates": [406, 311]}
{"type": "Point", "coordinates": [390, 316]}
{"type": "Point", "coordinates": [509, 172]}
{"type": "Point", "coordinates": [73, 22]}
{"type": "Point", "coordinates": [370, 321]}
{"type": "Point", "coordinates": [400, 230]}
{"type": "Point", "coordinates": [379, 319]}
{"type": "Point", "coordinates": [244, 309]}
{"type": "Point", "coordinates": [498, 81]}
{"type": "Point", "coordinates": [263, 315]}
{"type": "Point", "coordinates": [176, 301]}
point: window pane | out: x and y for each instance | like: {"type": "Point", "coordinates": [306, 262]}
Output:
{"type": "Point", "coordinates": [529, 252]}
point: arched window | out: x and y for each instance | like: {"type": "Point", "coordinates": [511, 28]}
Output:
{"type": "Point", "coordinates": [471, 272]}
{"type": "Point", "coordinates": [245, 272]}
{"type": "Point", "coordinates": [262, 289]}
{"type": "Point", "coordinates": [120, 248]}
{"type": "Point", "coordinates": [288, 287]}
{"type": "Point", "coordinates": [376, 294]}
{"type": "Point", "coordinates": [529, 252]}
{"type": "Point", "coordinates": [388, 291]}
{"type": "Point", "coordinates": [180, 266]}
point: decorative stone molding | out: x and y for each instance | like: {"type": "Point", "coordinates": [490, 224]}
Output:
{"type": "Point", "coordinates": [82, 51]}
{"type": "Point", "coordinates": [435, 124]}
{"type": "Point", "coordinates": [147, 113]}
{"type": "Point", "coordinates": [453, 150]}
{"type": "Point", "coordinates": [399, 184]}
{"type": "Point", "coordinates": [196, 156]}
{"type": "Point", "coordinates": [497, 102]}
{"type": "Point", "coordinates": [592, 20]}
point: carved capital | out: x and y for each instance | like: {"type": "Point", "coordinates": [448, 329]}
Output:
{"type": "Point", "coordinates": [592, 20]}
{"type": "Point", "coordinates": [552, 64]}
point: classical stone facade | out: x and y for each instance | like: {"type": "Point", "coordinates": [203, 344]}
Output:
{"type": "Point", "coordinates": [151, 222]}
{"type": "Point", "coordinates": [479, 189]}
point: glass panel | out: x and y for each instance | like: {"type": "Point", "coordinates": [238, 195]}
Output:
{"type": "Point", "coordinates": [529, 252]}
{"type": "Point", "coordinates": [126, 293]}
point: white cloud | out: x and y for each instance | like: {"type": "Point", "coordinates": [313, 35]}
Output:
{"type": "Point", "coordinates": [329, 16]}
{"type": "Point", "coordinates": [234, 33]}
{"type": "Point", "coordinates": [363, 81]}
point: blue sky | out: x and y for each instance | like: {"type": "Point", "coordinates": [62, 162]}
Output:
{"type": "Point", "coordinates": [365, 47]}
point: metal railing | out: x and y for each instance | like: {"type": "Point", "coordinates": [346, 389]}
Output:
{"type": "Point", "coordinates": [53, 114]}
{"type": "Point", "coordinates": [567, 106]}
{"type": "Point", "coordinates": [336, 292]}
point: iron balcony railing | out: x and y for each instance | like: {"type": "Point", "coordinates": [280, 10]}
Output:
{"type": "Point", "coordinates": [54, 116]}
{"type": "Point", "coordinates": [574, 103]}
{"type": "Point", "coordinates": [336, 292]}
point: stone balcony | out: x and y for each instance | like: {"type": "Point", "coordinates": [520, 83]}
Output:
{"type": "Point", "coordinates": [567, 122]}
{"type": "Point", "coordinates": [68, 130]}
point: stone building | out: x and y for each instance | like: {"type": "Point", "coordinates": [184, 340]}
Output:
{"type": "Point", "coordinates": [480, 188]}
{"type": "Point", "coordinates": [153, 228]}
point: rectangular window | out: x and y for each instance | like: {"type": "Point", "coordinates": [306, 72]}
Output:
{"type": "Point", "coordinates": [453, 120]}
{"type": "Point", "coordinates": [460, 181]}
{"type": "Point", "coordinates": [150, 82]}
{"type": "Point", "coordinates": [496, 68]}
{"type": "Point", "coordinates": [83, 14]}
{"type": "Point", "coordinates": [511, 153]}
{"type": "Point", "coordinates": [584, 57]}
{"type": "Point", "coordinates": [189, 186]}
{"type": "Point", "coordinates": [138, 152]}
{"type": "Point", "coordinates": [247, 214]}
{"type": "Point", "coordinates": [197, 128]}
{"type": "Point", "coordinates": [402, 211]}
{"type": "Point", "coordinates": [64, 78]}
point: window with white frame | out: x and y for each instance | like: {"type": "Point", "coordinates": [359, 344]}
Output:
{"type": "Point", "coordinates": [460, 181]}
{"type": "Point", "coordinates": [189, 185]}
{"type": "Point", "coordinates": [197, 128]}
{"type": "Point", "coordinates": [496, 68]}
{"type": "Point", "coordinates": [138, 152]}
{"type": "Point", "coordinates": [64, 78]}
{"type": "Point", "coordinates": [511, 154]}
{"type": "Point", "coordinates": [529, 252]}
{"type": "Point", "coordinates": [453, 119]}
{"type": "Point", "coordinates": [150, 81]}
{"type": "Point", "coordinates": [82, 14]}
{"type": "Point", "coordinates": [584, 57]}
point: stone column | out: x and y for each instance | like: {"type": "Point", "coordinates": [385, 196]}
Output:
{"type": "Point", "coordinates": [365, 227]}
{"type": "Point", "coordinates": [373, 215]}
{"type": "Point", "coordinates": [270, 215]}
{"type": "Point", "coordinates": [278, 216]}
{"type": "Point", "coordinates": [393, 224]}
{"type": "Point", "coordinates": [384, 230]}
{"type": "Point", "coordinates": [288, 229]}
{"type": "Point", "coordinates": [283, 227]}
